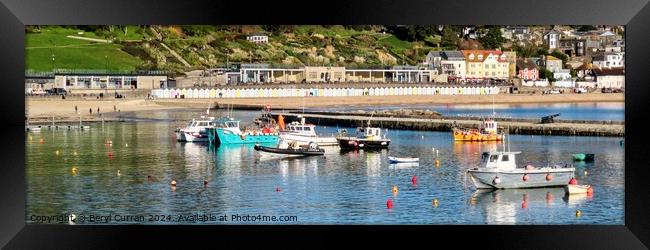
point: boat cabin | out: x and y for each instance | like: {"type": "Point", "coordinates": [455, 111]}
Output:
{"type": "Point", "coordinates": [301, 128]}
{"type": "Point", "coordinates": [488, 126]}
{"type": "Point", "coordinates": [200, 123]}
{"type": "Point", "coordinates": [370, 132]}
{"type": "Point", "coordinates": [228, 123]}
{"type": "Point", "coordinates": [501, 160]}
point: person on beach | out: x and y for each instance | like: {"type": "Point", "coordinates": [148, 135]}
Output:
{"type": "Point", "coordinates": [90, 110]}
{"type": "Point", "coordinates": [75, 109]}
{"type": "Point", "coordinates": [97, 110]}
{"type": "Point", "coordinates": [114, 108]}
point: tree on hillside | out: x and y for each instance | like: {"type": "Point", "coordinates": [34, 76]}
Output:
{"type": "Point", "coordinates": [560, 55]}
{"type": "Point", "coordinates": [586, 28]}
{"type": "Point", "coordinates": [545, 74]}
{"type": "Point", "coordinates": [493, 38]}
{"type": "Point", "coordinates": [278, 29]}
{"type": "Point", "coordinates": [449, 36]}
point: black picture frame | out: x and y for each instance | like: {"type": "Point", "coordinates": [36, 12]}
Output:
{"type": "Point", "coordinates": [635, 14]}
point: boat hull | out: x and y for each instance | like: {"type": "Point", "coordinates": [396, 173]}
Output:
{"type": "Point", "coordinates": [356, 143]}
{"type": "Point", "coordinates": [228, 137]}
{"type": "Point", "coordinates": [583, 157]}
{"type": "Point", "coordinates": [461, 135]}
{"type": "Point", "coordinates": [484, 179]}
{"type": "Point", "coordinates": [184, 136]}
{"type": "Point", "coordinates": [305, 140]}
{"type": "Point", "coordinates": [278, 152]}
{"type": "Point", "coordinates": [576, 189]}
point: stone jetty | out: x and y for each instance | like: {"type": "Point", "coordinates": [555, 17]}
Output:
{"type": "Point", "coordinates": [432, 121]}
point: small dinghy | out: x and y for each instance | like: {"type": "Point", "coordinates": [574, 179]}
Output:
{"type": "Point", "coordinates": [577, 189]}
{"type": "Point", "coordinates": [393, 159]}
{"type": "Point", "coordinates": [290, 150]}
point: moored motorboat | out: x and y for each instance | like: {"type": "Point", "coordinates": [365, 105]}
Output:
{"type": "Point", "coordinates": [304, 134]}
{"type": "Point", "coordinates": [393, 159]}
{"type": "Point", "coordinates": [500, 172]}
{"type": "Point", "coordinates": [487, 131]}
{"type": "Point", "coordinates": [226, 131]}
{"type": "Point", "coordinates": [366, 138]}
{"type": "Point", "coordinates": [195, 131]}
{"type": "Point", "coordinates": [290, 149]}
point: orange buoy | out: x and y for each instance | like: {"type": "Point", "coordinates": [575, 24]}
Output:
{"type": "Point", "coordinates": [394, 189]}
{"type": "Point", "coordinates": [578, 213]}
{"type": "Point", "coordinates": [414, 180]}
{"type": "Point", "coordinates": [525, 178]}
{"type": "Point", "coordinates": [590, 191]}
{"type": "Point", "coordinates": [41, 140]}
{"type": "Point", "coordinates": [173, 183]}
{"type": "Point", "coordinates": [389, 203]}
{"type": "Point", "coordinates": [435, 202]}
{"type": "Point", "coordinates": [549, 177]}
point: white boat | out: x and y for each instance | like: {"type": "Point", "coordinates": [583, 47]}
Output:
{"type": "Point", "coordinates": [576, 189]}
{"type": "Point", "coordinates": [303, 134]}
{"type": "Point", "coordinates": [501, 171]}
{"type": "Point", "coordinates": [195, 131]}
{"type": "Point", "coordinates": [393, 159]}
{"type": "Point", "coordinates": [286, 149]}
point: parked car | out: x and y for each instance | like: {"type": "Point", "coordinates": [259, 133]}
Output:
{"type": "Point", "coordinates": [56, 91]}
{"type": "Point", "coordinates": [607, 90]}
{"type": "Point", "coordinates": [581, 90]}
{"type": "Point", "coordinates": [553, 91]}
{"type": "Point", "coordinates": [618, 90]}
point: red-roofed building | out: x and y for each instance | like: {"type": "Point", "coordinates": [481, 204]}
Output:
{"type": "Point", "coordinates": [486, 64]}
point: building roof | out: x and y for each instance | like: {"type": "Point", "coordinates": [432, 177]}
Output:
{"type": "Point", "coordinates": [485, 53]}
{"type": "Point", "coordinates": [618, 71]}
{"type": "Point", "coordinates": [551, 58]}
{"type": "Point", "coordinates": [453, 55]}
{"type": "Point", "coordinates": [526, 64]}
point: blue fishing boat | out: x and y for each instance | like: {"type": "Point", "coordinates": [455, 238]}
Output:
{"type": "Point", "coordinates": [226, 131]}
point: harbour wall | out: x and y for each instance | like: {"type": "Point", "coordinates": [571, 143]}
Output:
{"type": "Point", "coordinates": [445, 124]}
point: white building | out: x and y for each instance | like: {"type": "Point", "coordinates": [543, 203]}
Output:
{"type": "Point", "coordinates": [258, 38]}
{"type": "Point", "coordinates": [552, 39]}
{"type": "Point", "coordinates": [609, 60]}
{"type": "Point", "coordinates": [610, 77]}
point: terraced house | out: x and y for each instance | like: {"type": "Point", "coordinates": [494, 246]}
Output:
{"type": "Point", "coordinates": [486, 64]}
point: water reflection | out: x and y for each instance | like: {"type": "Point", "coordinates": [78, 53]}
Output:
{"type": "Point", "coordinates": [505, 206]}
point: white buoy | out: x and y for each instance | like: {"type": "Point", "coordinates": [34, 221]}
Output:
{"type": "Point", "coordinates": [436, 152]}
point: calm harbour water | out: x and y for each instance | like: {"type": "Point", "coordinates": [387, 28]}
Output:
{"type": "Point", "coordinates": [345, 188]}
{"type": "Point", "coordinates": [613, 111]}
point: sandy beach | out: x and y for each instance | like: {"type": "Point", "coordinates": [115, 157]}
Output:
{"type": "Point", "coordinates": [312, 102]}
{"type": "Point", "coordinates": [45, 107]}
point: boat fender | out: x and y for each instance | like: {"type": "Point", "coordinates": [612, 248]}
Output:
{"type": "Point", "coordinates": [496, 180]}
{"type": "Point", "coordinates": [573, 181]}
{"type": "Point", "coordinates": [549, 177]}
{"type": "Point", "coordinates": [525, 178]}
{"type": "Point", "coordinates": [590, 191]}
{"type": "Point", "coordinates": [389, 203]}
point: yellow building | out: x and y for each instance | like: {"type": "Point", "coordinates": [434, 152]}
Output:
{"type": "Point", "coordinates": [511, 56]}
{"type": "Point", "coordinates": [486, 64]}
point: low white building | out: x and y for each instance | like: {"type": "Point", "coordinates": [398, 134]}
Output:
{"type": "Point", "coordinates": [609, 59]}
{"type": "Point", "coordinates": [258, 38]}
{"type": "Point", "coordinates": [610, 77]}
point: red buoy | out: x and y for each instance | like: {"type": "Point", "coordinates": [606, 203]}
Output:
{"type": "Point", "coordinates": [414, 180]}
{"type": "Point", "coordinates": [573, 181]}
{"type": "Point", "coordinates": [549, 177]}
{"type": "Point", "coordinates": [524, 204]}
{"type": "Point", "coordinates": [525, 178]}
{"type": "Point", "coordinates": [389, 203]}
{"type": "Point", "coordinates": [277, 189]}
{"type": "Point", "coordinates": [590, 191]}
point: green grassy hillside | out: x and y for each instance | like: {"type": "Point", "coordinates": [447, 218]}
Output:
{"type": "Point", "coordinates": [139, 47]}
